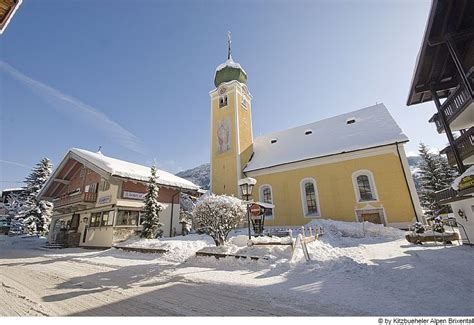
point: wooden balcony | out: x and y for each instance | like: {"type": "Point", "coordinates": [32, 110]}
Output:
{"type": "Point", "coordinates": [460, 103]}
{"type": "Point", "coordinates": [445, 196]}
{"type": "Point", "coordinates": [86, 197]}
{"type": "Point", "coordinates": [465, 145]}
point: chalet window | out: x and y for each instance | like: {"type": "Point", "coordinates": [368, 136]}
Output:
{"type": "Point", "coordinates": [104, 185]}
{"type": "Point", "coordinates": [91, 188]}
{"type": "Point", "coordinates": [103, 218]}
{"type": "Point", "coordinates": [95, 219]}
{"type": "Point", "coordinates": [364, 186]}
{"type": "Point", "coordinates": [309, 197]}
{"type": "Point", "coordinates": [266, 197]}
{"type": "Point", "coordinates": [129, 218]}
{"type": "Point", "coordinates": [222, 101]}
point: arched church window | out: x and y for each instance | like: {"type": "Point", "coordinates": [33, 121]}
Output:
{"type": "Point", "coordinates": [266, 197]}
{"type": "Point", "coordinates": [364, 186]}
{"type": "Point", "coordinates": [309, 197]}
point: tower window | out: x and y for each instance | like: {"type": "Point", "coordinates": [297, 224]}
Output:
{"type": "Point", "coordinates": [222, 101]}
{"type": "Point", "coordinates": [244, 103]}
{"type": "Point", "coordinates": [308, 132]}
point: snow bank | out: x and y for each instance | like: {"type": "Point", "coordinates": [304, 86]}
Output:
{"type": "Point", "coordinates": [180, 248]}
{"type": "Point", "coordinates": [237, 245]}
{"type": "Point", "coordinates": [338, 229]}
{"type": "Point", "coordinates": [341, 245]}
{"type": "Point", "coordinates": [24, 241]}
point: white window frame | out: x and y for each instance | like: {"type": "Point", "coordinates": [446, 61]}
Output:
{"type": "Point", "coordinates": [260, 198]}
{"type": "Point", "coordinates": [303, 198]}
{"type": "Point", "coordinates": [373, 188]}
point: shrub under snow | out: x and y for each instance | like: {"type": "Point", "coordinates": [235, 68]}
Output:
{"type": "Point", "coordinates": [217, 215]}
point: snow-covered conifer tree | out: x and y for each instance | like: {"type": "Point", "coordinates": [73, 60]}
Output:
{"type": "Point", "coordinates": [36, 214]}
{"type": "Point", "coordinates": [435, 175]}
{"type": "Point", "coordinates": [217, 215]}
{"type": "Point", "coordinates": [151, 224]}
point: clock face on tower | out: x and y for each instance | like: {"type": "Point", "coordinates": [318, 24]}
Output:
{"type": "Point", "coordinates": [222, 90]}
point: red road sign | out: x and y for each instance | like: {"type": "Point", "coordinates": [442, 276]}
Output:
{"type": "Point", "coordinates": [256, 209]}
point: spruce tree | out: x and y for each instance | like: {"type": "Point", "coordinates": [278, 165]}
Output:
{"type": "Point", "coordinates": [37, 213]}
{"type": "Point", "coordinates": [435, 174]}
{"type": "Point", "coordinates": [151, 224]}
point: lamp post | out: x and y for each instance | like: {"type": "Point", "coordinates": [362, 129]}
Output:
{"type": "Point", "coordinates": [246, 186]}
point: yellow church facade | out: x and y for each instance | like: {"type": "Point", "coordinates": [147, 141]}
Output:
{"type": "Point", "coordinates": [351, 167]}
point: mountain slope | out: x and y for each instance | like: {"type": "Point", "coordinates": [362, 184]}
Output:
{"type": "Point", "coordinates": [199, 175]}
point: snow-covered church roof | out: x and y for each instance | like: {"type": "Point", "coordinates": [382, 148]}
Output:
{"type": "Point", "coordinates": [365, 128]}
{"type": "Point", "coordinates": [125, 169]}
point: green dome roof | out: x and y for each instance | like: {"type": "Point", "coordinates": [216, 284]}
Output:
{"type": "Point", "coordinates": [228, 71]}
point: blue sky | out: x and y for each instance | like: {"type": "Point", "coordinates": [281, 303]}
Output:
{"type": "Point", "coordinates": [134, 76]}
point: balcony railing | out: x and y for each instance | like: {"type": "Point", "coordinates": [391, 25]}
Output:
{"type": "Point", "coordinates": [87, 197]}
{"type": "Point", "coordinates": [453, 106]}
{"type": "Point", "coordinates": [465, 146]}
{"type": "Point", "coordinates": [446, 195]}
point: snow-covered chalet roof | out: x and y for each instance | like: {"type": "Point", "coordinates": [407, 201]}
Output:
{"type": "Point", "coordinates": [125, 169]}
{"type": "Point", "coordinates": [119, 168]}
{"type": "Point", "coordinates": [365, 128]}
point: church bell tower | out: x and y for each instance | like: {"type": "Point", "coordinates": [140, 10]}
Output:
{"type": "Point", "coordinates": [231, 126]}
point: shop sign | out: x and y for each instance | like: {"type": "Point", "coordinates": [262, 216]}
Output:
{"type": "Point", "coordinates": [133, 195]}
{"type": "Point", "coordinates": [466, 182]}
{"type": "Point", "coordinates": [104, 199]}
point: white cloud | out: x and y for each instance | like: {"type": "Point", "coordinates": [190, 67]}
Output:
{"type": "Point", "coordinates": [13, 163]}
{"type": "Point", "coordinates": [78, 110]}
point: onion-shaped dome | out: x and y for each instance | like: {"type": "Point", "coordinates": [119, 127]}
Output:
{"type": "Point", "coordinates": [228, 71]}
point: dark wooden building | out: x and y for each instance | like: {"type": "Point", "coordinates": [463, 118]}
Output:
{"type": "Point", "coordinates": [444, 74]}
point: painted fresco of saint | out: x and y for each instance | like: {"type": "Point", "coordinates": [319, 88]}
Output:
{"type": "Point", "coordinates": [223, 135]}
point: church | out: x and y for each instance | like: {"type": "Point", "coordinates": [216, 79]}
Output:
{"type": "Point", "coordinates": [350, 167]}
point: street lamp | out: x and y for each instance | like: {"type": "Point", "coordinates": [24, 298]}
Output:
{"type": "Point", "coordinates": [246, 186]}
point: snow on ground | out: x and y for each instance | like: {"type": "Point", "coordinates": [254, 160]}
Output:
{"type": "Point", "coordinates": [355, 269]}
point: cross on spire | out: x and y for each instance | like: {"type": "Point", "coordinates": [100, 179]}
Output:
{"type": "Point", "coordinates": [229, 51]}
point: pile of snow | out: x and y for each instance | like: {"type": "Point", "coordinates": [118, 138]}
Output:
{"type": "Point", "coordinates": [179, 248]}
{"type": "Point", "coordinates": [338, 229]}
{"type": "Point", "coordinates": [23, 241]}
{"type": "Point", "coordinates": [237, 245]}
{"type": "Point", "coordinates": [468, 172]}
{"type": "Point", "coordinates": [341, 245]}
